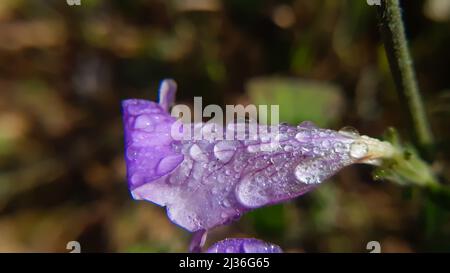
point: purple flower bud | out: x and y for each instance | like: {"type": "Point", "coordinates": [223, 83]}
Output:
{"type": "Point", "coordinates": [243, 245]}
{"type": "Point", "coordinates": [205, 183]}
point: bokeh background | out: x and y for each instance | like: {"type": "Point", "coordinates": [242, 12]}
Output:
{"type": "Point", "coordinates": [64, 70]}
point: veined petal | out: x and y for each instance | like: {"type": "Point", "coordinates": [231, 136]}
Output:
{"type": "Point", "coordinates": [209, 182]}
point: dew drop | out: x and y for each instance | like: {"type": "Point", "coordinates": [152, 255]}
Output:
{"type": "Point", "coordinates": [288, 148]}
{"type": "Point", "coordinates": [132, 153]}
{"type": "Point", "coordinates": [143, 122]}
{"type": "Point", "coordinates": [358, 150]}
{"type": "Point", "coordinates": [251, 247]}
{"type": "Point", "coordinates": [326, 144]}
{"type": "Point", "coordinates": [302, 136]}
{"type": "Point", "coordinates": [349, 131]}
{"type": "Point", "coordinates": [196, 153]}
{"type": "Point", "coordinates": [249, 194]}
{"type": "Point", "coordinates": [224, 150]}
{"type": "Point", "coordinates": [229, 249]}
{"type": "Point", "coordinates": [339, 147]}
{"type": "Point", "coordinates": [306, 174]}
{"type": "Point", "coordinates": [226, 203]}
{"type": "Point", "coordinates": [253, 148]}
{"type": "Point", "coordinates": [168, 163]}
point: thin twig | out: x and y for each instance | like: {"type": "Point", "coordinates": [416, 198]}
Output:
{"type": "Point", "coordinates": [396, 46]}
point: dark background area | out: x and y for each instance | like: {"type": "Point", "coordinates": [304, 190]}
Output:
{"type": "Point", "coordinates": [64, 70]}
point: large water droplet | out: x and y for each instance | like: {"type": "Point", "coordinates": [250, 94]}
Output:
{"type": "Point", "coordinates": [281, 137]}
{"type": "Point", "coordinates": [196, 153]}
{"type": "Point", "coordinates": [326, 144]}
{"type": "Point", "coordinates": [144, 122]}
{"type": "Point", "coordinates": [249, 194]}
{"type": "Point", "coordinates": [230, 249]}
{"type": "Point", "coordinates": [339, 147]}
{"type": "Point", "coordinates": [225, 203]}
{"type": "Point", "coordinates": [349, 131]}
{"type": "Point", "coordinates": [136, 179]}
{"type": "Point", "coordinates": [358, 149]}
{"type": "Point", "coordinates": [252, 247]}
{"type": "Point", "coordinates": [168, 163]}
{"type": "Point", "coordinates": [224, 150]}
{"type": "Point", "coordinates": [132, 153]}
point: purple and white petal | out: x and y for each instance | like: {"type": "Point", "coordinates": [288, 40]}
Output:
{"type": "Point", "coordinates": [209, 182]}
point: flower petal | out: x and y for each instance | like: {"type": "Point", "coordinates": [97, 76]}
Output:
{"type": "Point", "coordinates": [209, 182]}
{"type": "Point", "coordinates": [149, 154]}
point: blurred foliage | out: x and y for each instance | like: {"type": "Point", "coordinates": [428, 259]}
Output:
{"type": "Point", "coordinates": [65, 69]}
{"type": "Point", "coordinates": [318, 102]}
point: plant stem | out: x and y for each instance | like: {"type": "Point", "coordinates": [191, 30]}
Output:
{"type": "Point", "coordinates": [397, 51]}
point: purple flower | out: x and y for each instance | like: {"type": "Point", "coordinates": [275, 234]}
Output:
{"type": "Point", "coordinates": [243, 245]}
{"type": "Point", "coordinates": [205, 183]}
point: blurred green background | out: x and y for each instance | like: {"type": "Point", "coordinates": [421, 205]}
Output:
{"type": "Point", "coordinates": [64, 70]}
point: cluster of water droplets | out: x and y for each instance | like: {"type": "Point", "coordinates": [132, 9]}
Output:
{"type": "Point", "coordinates": [233, 176]}
{"type": "Point", "coordinates": [306, 156]}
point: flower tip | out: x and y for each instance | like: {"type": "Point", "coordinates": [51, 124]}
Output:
{"type": "Point", "coordinates": [370, 150]}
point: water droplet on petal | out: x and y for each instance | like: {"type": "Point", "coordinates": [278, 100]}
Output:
{"type": "Point", "coordinates": [226, 203]}
{"type": "Point", "coordinates": [144, 122]}
{"type": "Point", "coordinates": [224, 150]}
{"type": "Point", "coordinates": [326, 144]}
{"type": "Point", "coordinates": [307, 173]}
{"type": "Point", "coordinates": [349, 131]}
{"type": "Point", "coordinates": [339, 147]}
{"type": "Point", "coordinates": [229, 249]}
{"type": "Point", "coordinates": [358, 150]}
{"type": "Point", "coordinates": [253, 148]}
{"type": "Point", "coordinates": [136, 179]}
{"type": "Point", "coordinates": [303, 136]}
{"type": "Point", "coordinates": [196, 153]}
{"type": "Point", "coordinates": [168, 163]}
{"type": "Point", "coordinates": [249, 194]}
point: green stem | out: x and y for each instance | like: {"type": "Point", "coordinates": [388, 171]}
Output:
{"type": "Point", "coordinates": [397, 51]}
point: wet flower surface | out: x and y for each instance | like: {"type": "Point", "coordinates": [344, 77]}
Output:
{"type": "Point", "coordinates": [205, 183]}
{"type": "Point", "coordinates": [243, 245]}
